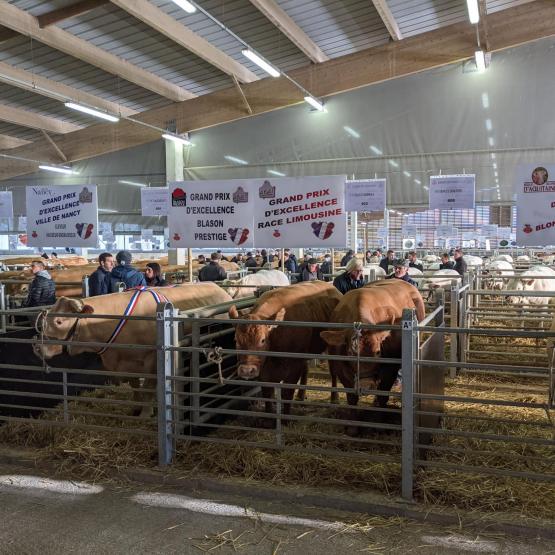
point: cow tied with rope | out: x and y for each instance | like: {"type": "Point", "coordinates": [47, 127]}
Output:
{"type": "Point", "coordinates": [58, 323]}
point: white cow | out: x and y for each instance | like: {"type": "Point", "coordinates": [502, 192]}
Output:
{"type": "Point", "coordinates": [379, 271]}
{"type": "Point", "coordinates": [430, 258]}
{"type": "Point", "coordinates": [496, 269]}
{"type": "Point", "coordinates": [530, 281]}
{"type": "Point", "coordinates": [523, 258]}
{"type": "Point", "coordinates": [414, 272]}
{"type": "Point", "coordinates": [258, 279]}
{"type": "Point", "coordinates": [505, 258]}
{"type": "Point", "coordinates": [473, 261]}
{"type": "Point", "coordinates": [438, 279]}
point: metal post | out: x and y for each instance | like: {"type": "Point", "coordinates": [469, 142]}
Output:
{"type": "Point", "coordinates": [3, 304]}
{"type": "Point", "coordinates": [283, 260]}
{"type": "Point", "coordinates": [164, 325]}
{"type": "Point", "coordinates": [279, 435]}
{"type": "Point", "coordinates": [85, 287]}
{"type": "Point", "coordinates": [332, 262]}
{"type": "Point", "coordinates": [190, 265]}
{"type": "Point", "coordinates": [454, 322]}
{"type": "Point", "coordinates": [409, 350]}
{"type": "Point", "coordinates": [64, 391]}
{"type": "Point", "coordinates": [463, 341]}
{"type": "Point", "coordinates": [372, 276]}
{"type": "Point", "coordinates": [195, 372]}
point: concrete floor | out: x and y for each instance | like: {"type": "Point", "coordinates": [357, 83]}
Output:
{"type": "Point", "coordinates": [42, 516]}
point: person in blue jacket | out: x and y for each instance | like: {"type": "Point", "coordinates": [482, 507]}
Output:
{"type": "Point", "coordinates": [125, 273]}
{"type": "Point", "coordinates": [100, 281]}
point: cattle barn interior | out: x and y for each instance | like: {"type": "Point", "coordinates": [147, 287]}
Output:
{"type": "Point", "coordinates": [372, 186]}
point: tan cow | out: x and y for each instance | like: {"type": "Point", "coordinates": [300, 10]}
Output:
{"type": "Point", "coordinates": [138, 332]}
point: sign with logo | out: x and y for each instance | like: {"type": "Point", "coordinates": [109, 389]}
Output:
{"type": "Point", "coordinates": [300, 212]}
{"type": "Point", "coordinates": [535, 205]}
{"type": "Point", "coordinates": [365, 195]}
{"type": "Point", "coordinates": [210, 214]}
{"type": "Point", "coordinates": [452, 191]}
{"type": "Point", "coordinates": [154, 201]}
{"type": "Point", "coordinates": [6, 204]}
{"type": "Point", "coordinates": [62, 216]}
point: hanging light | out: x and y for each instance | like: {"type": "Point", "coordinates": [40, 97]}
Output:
{"type": "Point", "coordinates": [92, 112]}
{"type": "Point", "coordinates": [176, 139]}
{"type": "Point", "coordinates": [314, 103]}
{"type": "Point", "coordinates": [480, 58]}
{"type": "Point", "coordinates": [473, 11]}
{"type": "Point", "coordinates": [186, 6]}
{"type": "Point", "coordinates": [58, 169]}
{"type": "Point", "coordinates": [260, 62]}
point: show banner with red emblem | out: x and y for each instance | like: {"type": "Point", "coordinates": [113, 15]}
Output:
{"type": "Point", "coordinates": [64, 216]}
{"type": "Point", "coordinates": [300, 212]}
{"type": "Point", "coordinates": [210, 214]}
{"type": "Point", "coordinates": [535, 205]}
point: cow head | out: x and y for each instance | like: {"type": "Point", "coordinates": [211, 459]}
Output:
{"type": "Point", "coordinates": [520, 285]}
{"type": "Point", "coordinates": [63, 328]}
{"type": "Point", "coordinates": [252, 337]}
{"type": "Point", "coordinates": [228, 285]}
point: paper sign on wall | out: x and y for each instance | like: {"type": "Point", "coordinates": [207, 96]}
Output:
{"type": "Point", "coordinates": [445, 230]}
{"type": "Point", "coordinates": [6, 204]}
{"type": "Point", "coordinates": [489, 230]}
{"type": "Point", "coordinates": [365, 195]}
{"type": "Point", "coordinates": [64, 216]}
{"type": "Point", "coordinates": [210, 214]}
{"type": "Point", "coordinates": [297, 212]}
{"type": "Point", "coordinates": [154, 201]}
{"type": "Point", "coordinates": [452, 191]}
{"type": "Point", "coordinates": [535, 202]}
{"type": "Point", "coordinates": [409, 230]}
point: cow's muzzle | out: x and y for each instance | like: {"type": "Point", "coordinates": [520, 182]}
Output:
{"type": "Point", "coordinates": [248, 371]}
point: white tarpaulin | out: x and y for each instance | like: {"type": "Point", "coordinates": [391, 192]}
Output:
{"type": "Point", "coordinates": [64, 216]}
{"type": "Point", "coordinates": [6, 204]}
{"type": "Point", "coordinates": [300, 212]}
{"type": "Point", "coordinates": [452, 191]}
{"type": "Point", "coordinates": [210, 214]}
{"type": "Point", "coordinates": [154, 201]}
{"type": "Point", "coordinates": [365, 195]}
{"type": "Point", "coordinates": [535, 205]}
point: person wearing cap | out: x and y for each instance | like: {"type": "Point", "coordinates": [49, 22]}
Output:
{"type": "Point", "coordinates": [311, 271]}
{"type": "Point", "coordinates": [413, 263]}
{"type": "Point", "coordinates": [325, 268]}
{"type": "Point", "coordinates": [250, 262]}
{"type": "Point", "coordinates": [125, 273]}
{"type": "Point", "coordinates": [351, 278]}
{"type": "Point", "coordinates": [402, 272]}
{"type": "Point", "coordinates": [213, 271]}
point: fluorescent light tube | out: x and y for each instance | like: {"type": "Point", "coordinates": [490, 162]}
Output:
{"type": "Point", "coordinates": [186, 6]}
{"type": "Point", "coordinates": [92, 112]}
{"type": "Point", "coordinates": [489, 125]}
{"type": "Point", "coordinates": [473, 11]}
{"type": "Point", "coordinates": [352, 132]}
{"type": "Point", "coordinates": [418, 181]}
{"type": "Point", "coordinates": [491, 141]}
{"type": "Point", "coordinates": [485, 100]}
{"type": "Point", "coordinates": [176, 139]}
{"type": "Point", "coordinates": [261, 62]}
{"type": "Point", "coordinates": [236, 160]}
{"type": "Point", "coordinates": [406, 173]}
{"type": "Point", "coordinates": [314, 103]}
{"type": "Point", "coordinates": [393, 163]}
{"type": "Point", "coordinates": [135, 183]}
{"type": "Point", "coordinates": [58, 169]}
{"type": "Point", "coordinates": [376, 150]}
{"type": "Point", "coordinates": [276, 173]}
{"type": "Point", "coordinates": [480, 58]}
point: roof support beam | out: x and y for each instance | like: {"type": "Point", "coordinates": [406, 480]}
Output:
{"type": "Point", "coordinates": [52, 89]}
{"type": "Point", "coordinates": [290, 29]}
{"type": "Point", "coordinates": [35, 121]}
{"type": "Point", "coordinates": [54, 145]}
{"type": "Point", "coordinates": [508, 28]}
{"type": "Point", "coordinates": [387, 17]}
{"type": "Point", "coordinates": [26, 24]}
{"type": "Point", "coordinates": [72, 10]}
{"type": "Point", "coordinates": [178, 33]}
{"type": "Point", "coordinates": [7, 142]}
{"type": "Point", "coordinates": [6, 34]}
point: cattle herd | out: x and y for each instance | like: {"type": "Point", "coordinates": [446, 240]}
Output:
{"type": "Point", "coordinates": [379, 302]}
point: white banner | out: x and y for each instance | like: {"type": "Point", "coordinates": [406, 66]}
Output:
{"type": "Point", "coordinates": [409, 230]}
{"type": "Point", "coordinates": [452, 191]}
{"type": "Point", "coordinates": [154, 201]}
{"type": "Point", "coordinates": [535, 202]}
{"type": "Point", "coordinates": [489, 230]}
{"type": "Point", "coordinates": [300, 212]}
{"type": "Point", "coordinates": [64, 216]}
{"type": "Point", "coordinates": [6, 204]}
{"type": "Point", "coordinates": [210, 214]}
{"type": "Point", "coordinates": [365, 195]}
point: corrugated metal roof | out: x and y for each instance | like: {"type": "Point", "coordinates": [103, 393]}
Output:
{"type": "Point", "coordinates": [498, 5]}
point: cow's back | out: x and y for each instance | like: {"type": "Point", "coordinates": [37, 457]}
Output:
{"type": "Point", "coordinates": [398, 294]}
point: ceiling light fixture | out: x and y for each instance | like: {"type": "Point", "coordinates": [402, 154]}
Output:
{"type": "Point", "coordinates": [186, 6]}
{"type": "Point", "coordinates": [134, 183]}
{"type": "Point", "coordinates": [376, 150]}
{"type": "Point", "coordinates": [393, 163]}
{"type": "Point", "coordinates": [352, 132]}
{"type": "Point", "coordinates": [58, 169]}
{"type": "Point", "coordinates": [236, 160]}
{"type": "Point", "coordinates": [261, 63]}
{"type": "Point", "coordinates": [276, 173]}
{"type": "Point", "coordinates": [491, 141]}
{"type": "Point", "coordinates": [406, 173]}
{"type": "Point", "coordinates": [418, 181]}
{"type": "Point", "coordinates": [91, 112]}
{"type": "Point", "coordinates": [315, 103]}
{"type": "Point", "coordinates": [426, 187]}
{"type": "Point", "coordinates": [489, 125]}
{"type": "Point", "coordinates": [177, 139]}
{"type": "Point", "coordinates": [473, 11]}
{"type": "Point", "coordinates": [485, 100]}
{"type": "Point", "coordinates": [480, 59]}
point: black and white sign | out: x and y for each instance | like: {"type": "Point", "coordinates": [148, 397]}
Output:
{"type": "Point", "coordinates": [365, 195]}
{"type": "Point", "coordinates": [154, 201]}
{"type": "Point", "coordinates": [452, 191]}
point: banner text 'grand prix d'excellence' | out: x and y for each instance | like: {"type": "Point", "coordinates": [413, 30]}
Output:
{"type": "Point", "coordinates": [282, 212]}
{"type": "Point", "coordinates": [64, 216]}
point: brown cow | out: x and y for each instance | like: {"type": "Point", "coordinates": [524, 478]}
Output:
{"type": "Point", "coordinates": [303, 302]}
{"type": "Point", "coordinates": [380, 302]}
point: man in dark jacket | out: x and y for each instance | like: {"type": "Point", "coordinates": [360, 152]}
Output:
{"type": "Point", "coordinates": [413, 263]}
{"type": "Point", "coordinates": [250, 262]}
{"type": "Point", "coordinates": [325, 268]}
{"type": "Point", "coordinates": [351, 278]}
{"type": "Point", "coordinates": [42, 291]}
{"type": "Point", "coordinates": [387, 261]}
{"type": "Point", "coordinates": [100, 281]}
{"type": "Point", "coordinates": [446, 264]}
{"type": "Point", "coordinates": [311, 272]}
{"type": "Point", "coordinates": [125, 273]}
{"type": "Point", "coordinates": [460, 262]}
{"type": "Point", "coordinates": [401, 272]}
{"type": "Point", "coordinates": [345, 260]}
{"type": "Point", "coordinates": [213, 271]}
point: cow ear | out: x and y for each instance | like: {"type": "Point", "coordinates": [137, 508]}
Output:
{"type": "Point", "coordinates": [280, 314]}
{"type": "Point", "coordinates": [87, 309]}
{"type": "Point", "coordinates": [233, 314]}
{"type": "Point", "coordinates": [333, 338]}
